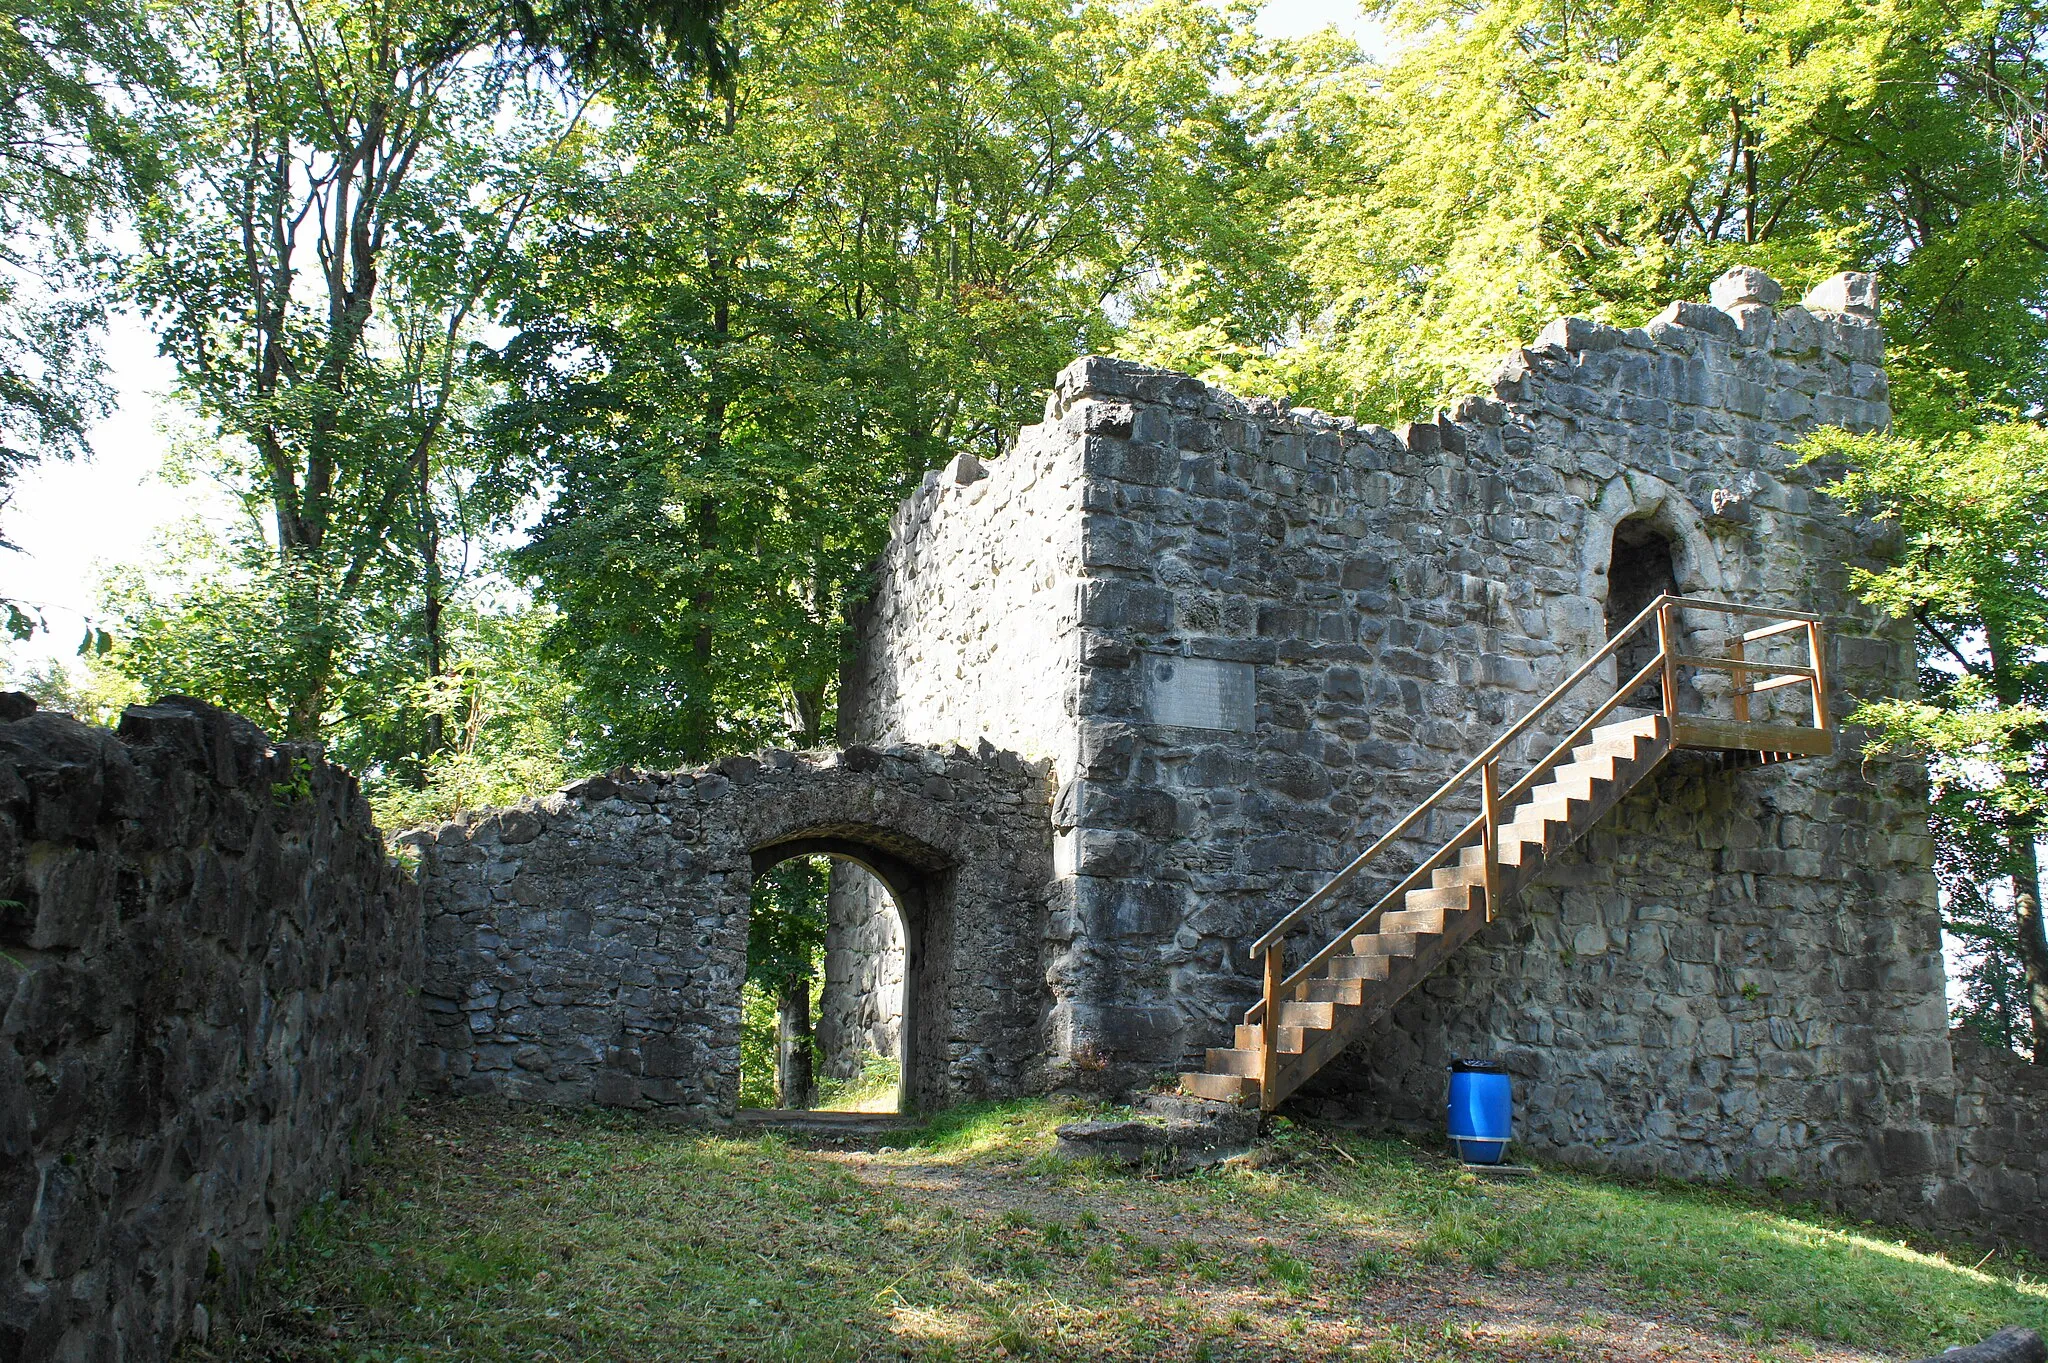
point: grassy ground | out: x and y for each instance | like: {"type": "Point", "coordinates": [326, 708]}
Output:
{"type": "Point", "coordinates": [874, 1089]}
{"type": "Point", "coordinates": [487, 1234]}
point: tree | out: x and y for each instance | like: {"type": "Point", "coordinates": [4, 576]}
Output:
{"type": "Point", "coordinates": [71, 158]}
{"type": "Point", "coordinates": [785, 952]}
{"type": "Point", "coordinates": [344, 183]}
{"type": "Point", "coordinates": [776, 304]}
{"type": "Point", "coordinates": [1972, 510]}
{"type": "Point", "coordinates": [1523, 159]}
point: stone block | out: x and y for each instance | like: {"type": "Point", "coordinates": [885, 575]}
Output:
{"type": "Point", "coordinates": [1745, 284]}
{"type": "Point", "coordinates": [1850, 292]}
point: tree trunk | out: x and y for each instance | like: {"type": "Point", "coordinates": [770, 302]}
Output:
{"type": "Point", "coordinates": [2033, 931]}
{"type": "Point", "coordinates": [2010, 1345]}
{"type": "Point", "coordinates": [430, 562]}
{"type": "Point", "coordinates": [793, 1078]}
{"type": "Point", "coordinates": [2024, 860]}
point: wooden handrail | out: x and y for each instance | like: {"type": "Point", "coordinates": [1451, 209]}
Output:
{"type": "Point", "coordinates": [1740, 664]}
{"type": "Point", "coordinates": [1279, 982]}
{"type": "Point", "coordinates": [1772, 631]}
{"type": "Point", "coordinates": [1730, 608]}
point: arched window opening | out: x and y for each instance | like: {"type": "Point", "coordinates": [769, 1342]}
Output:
{"type": "Point", "coordinates": [1640, 568]}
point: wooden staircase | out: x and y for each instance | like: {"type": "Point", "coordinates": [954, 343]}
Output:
{"type": "Point", "coordinates": [1305, 1018]}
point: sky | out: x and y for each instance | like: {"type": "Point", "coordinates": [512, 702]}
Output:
{"type": "Point", "coordinates": [70, 519]}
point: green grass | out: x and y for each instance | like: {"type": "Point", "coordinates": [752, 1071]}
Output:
{"type": "Point", "coordinates": [493, 1234]}
{"type": "Point", "coordinates": [1671, 1245]}
{"type": "Point", "coordinates": [874, 1089]}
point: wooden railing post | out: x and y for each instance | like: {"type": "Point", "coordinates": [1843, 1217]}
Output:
{"type": "Point", "coordinates": [1741, 681]}
{"type": "Point", "coordinates": [1667, 647]}
{"type": "Point", "coordinates": [1269, 1053]}
{"type": "Point", "coordinates": [1489, 832]}
{"type": "Point", "coordinates": [1816, 653]}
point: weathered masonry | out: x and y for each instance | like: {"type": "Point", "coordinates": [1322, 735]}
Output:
{"type": "Point", "coordinates": [590, 947]}
{"type": "Point", "coordinates": [207, 964]}
{"type": "Point", "coordinates": [1249, 639]}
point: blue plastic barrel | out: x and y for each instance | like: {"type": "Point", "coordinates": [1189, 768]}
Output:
{"type": "Point", "coordinates": [1481, 1111]}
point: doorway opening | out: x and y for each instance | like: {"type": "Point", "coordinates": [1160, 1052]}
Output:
{"type": "Point", "coordinates": [837, 992]}
{"type": "Point", "coordinates": [779, 999]}
{"type": "Point", "coordinates": [1640, 568]}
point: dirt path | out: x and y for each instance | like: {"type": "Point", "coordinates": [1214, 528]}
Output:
{"type": "Point", "coordinates": [1416, 1311]}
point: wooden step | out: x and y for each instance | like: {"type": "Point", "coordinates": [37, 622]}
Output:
{"type": "Point", "coordinates": [1240, 1061]}
{"type": "Point", "coordinates": [1445, 877]}
{"type": "Point", "coordinates": [1301, 1013]}
{"type": "Point", "coordinates": [1425, 922]}
{"type": "Point", "coordinates": [1447, 899]}
{"type": "Point", "coordinates": [1221, 1088]}
{"type": "Point", "coordinates": [1387, 943]}
{"type": "Point", "coordinates": [1251, 1036]}
{"type": "Point", "coordinates": [1351, 991]}
{"type": "Point", "coordinates": [1572, 782]}
{"type": "Point", "coordinates": [1574, 814]}
{"type": "Point", "coordinates": [1350, 966]}
{"type": "Point", "coordinates": [1534, 838]}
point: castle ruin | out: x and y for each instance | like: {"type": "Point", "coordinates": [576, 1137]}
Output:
{"type": "Point", "coordinates": [1123, 699]}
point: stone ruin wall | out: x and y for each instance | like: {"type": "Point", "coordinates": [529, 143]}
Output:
{"type": "Point", "coordinates": [860, 1008]}
{"type": "Point", "coordinates": [206, 980]}
{"type": "Point", "coordinates": [978, 592]}
{"type": "Point", "coordinates": [2000, 1187]}
{"type": "Point", "coordinates": [1290, 627]}
{"type": "Point", "coordinates": [590, 947]}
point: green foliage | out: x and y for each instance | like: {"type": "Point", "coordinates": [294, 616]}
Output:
{"type": "Point", "coordinates": [346, 187]}
{"type": "Point", "coordinates": [758, 1042]}
{"type": "Point", "coordinates": [296, 786]}
{"type": "Point", "coordinates": [1971, 511]}
{"type": "Point", "coordinates": [86, 691]}
{"type": "Point", "coordinates": [768, 310]}
{"type": "Point", "coordinates": [70, 159]}
{"type": "Point", "coordinates": [786, 920]}
{"type": "Point", "coordinates": [507, 712]}
{"type": "Point", "coordinates": [1520, 160]}
{"type": "Point", "coordinates": [877, 1088]}
{"type": "Point", "coordinates": [228, 624]}
{"type": "Point", "coordinates": [786, 923]}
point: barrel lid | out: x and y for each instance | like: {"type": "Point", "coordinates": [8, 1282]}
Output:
{"type": "Point", "coordinates": [1476, 1067]}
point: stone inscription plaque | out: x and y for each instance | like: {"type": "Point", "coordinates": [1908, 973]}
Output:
{"type": "Point", "coordinates": [1200, 693]}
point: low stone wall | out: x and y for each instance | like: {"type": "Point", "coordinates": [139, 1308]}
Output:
{"type": "Point", "coordinates": [2001, 1139]}
{"type": "Point", "coordinates": [590, 947]}
{"type": "Point", "coordinates": [205, 974]}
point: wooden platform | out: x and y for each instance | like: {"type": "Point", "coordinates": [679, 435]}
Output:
{"type": "Point", "coordinates": [1725, 735]}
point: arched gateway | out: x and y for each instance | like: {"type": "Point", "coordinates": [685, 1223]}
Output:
{"type": "Point", "coordinates": [591, 947]}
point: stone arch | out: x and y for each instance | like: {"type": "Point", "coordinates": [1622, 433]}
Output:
{"type": "Point", "coordinates": [591, 946]}
{"type": "Point", "coordinates": [1644, 497]}
{"type": "Point", "coordinates": [910, 840]}
{"type": "Point", "coordinates": [1649, 503]}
